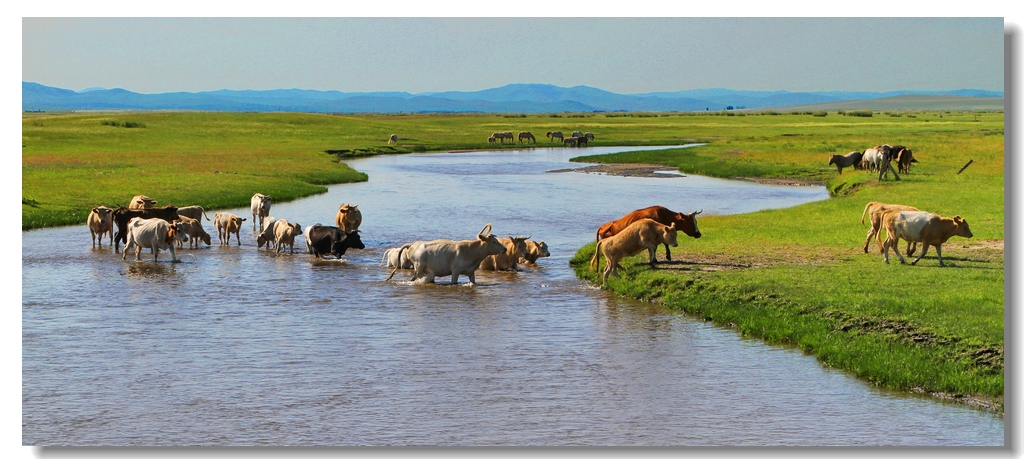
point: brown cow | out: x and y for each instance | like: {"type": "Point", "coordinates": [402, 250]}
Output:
{"type": "Point", "coordinates": [924, 227]}
{"type": "Point", "coordinates": [226, 224]}
{"type": "Point", "coordinates": [639, 235]}
{"type": "Point", "coordinates": [875, 211]}
{"type": "Point", "coordinates": [535, 251]}
{"type": "Point", "coordinates": [140, 202]}
{"type": "Point", "coordinates": [348, 218]}
{"type": "Point", "coordinates": [687, 223]}
{"type": "Point", "coordinates": [515, 248]}
{"type": "Point", "coordinates": [100, 222]}
{"type": "Point", "coordinates": [194, 230]}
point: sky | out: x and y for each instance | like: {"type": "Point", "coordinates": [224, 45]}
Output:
{"type": "Point", "coordinates": [618, 54]}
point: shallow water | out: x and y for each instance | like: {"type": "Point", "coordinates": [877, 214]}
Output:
{"type": "Point", "coordinates": [240, 346]}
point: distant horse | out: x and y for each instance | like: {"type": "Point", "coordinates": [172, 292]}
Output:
{"type": "Point", "coordinates": [555, 135]}
{"type": "Point", "coordinates": [393, 139]}
{"type": "Point", "coordinates": [850, 159]}
{"type": "Point", "coordinates": [570, 142]}
{"type": "Point", "coordinates": [588, 136]}
{"type": "Point", "coordinates": [528, 136]}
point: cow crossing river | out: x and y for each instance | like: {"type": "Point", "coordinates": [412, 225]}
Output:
{"type": "Point", "coordinates": [237, 345]}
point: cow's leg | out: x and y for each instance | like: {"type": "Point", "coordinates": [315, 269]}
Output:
{"type": "Point", "coordinates": [924, 250]}
{"type": "Point", "coordinates": [871, 232]}
{"type": "Point", "coordinates": [652, 253]}
{"type": "Point", "coordinates": [174, 258]}
{"type": "Point", "coordinates": [668, 254]}
{"type": "Point", "coordinates": [938, 251]}
{"type": "Point", "coordinates": [911, 248]}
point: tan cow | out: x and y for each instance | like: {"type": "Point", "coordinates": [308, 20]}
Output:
{"type": "Point", "coordinates": [924, 227]}
{"type": "Point", "coordinates": [515, 248]}
{"type": "Point", "coordinates": [100, 222]}
{"type": "Point", "coordinates": [154, 233]}
{"type": "Point", "coordinates": [226, 224]}
{"type": "Point", "coordinates": [396, 257]}
{"type": "Point", "coordinates": [348, 218]}
{"type": "Point", "coordinates": [196, 212]}
{"type": "Point", "coordinates": [875, 211]}
{"type": "Point", "coordinates": [444, 257]}
{"type": "Point", "coordinates": [266, 236]}
{"type": "Point", "coordinates": [535, 251]}
{"type": "Point", "coordinates": [285, 233]}
{"type": "Point", "coordinates": [195, 232]}
{"type": "Point", "coordinates": [639, 235]}
{"type": "Point", "coordinates": [140, 202]}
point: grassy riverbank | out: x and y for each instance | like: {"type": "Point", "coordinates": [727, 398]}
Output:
{"type": "Point", "coordinates": [799, 275]}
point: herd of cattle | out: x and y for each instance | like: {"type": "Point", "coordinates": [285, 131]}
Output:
{"type": "Point", "coordinates": [142, 225]}
{"type": "Point", "coordinates": [877, 159]}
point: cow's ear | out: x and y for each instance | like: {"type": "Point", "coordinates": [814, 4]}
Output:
{"type": "Point", "coordinates": [958, 218]}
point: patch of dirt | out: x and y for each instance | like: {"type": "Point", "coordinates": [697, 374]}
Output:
{"type": "Point", "coordinates": [627, 170]}
{"type": "Point", "coordinates": [779, 181]}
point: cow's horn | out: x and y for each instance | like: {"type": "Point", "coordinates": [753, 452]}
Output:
{"type": "Point", "coordinates": [699, 211]}
{"type": "Point", "coordinates": [486, 230]}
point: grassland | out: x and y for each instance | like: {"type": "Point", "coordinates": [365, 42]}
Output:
{"type": "Point", "coordinates": [794, 276]}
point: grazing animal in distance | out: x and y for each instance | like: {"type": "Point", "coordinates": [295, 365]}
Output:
{"type": "Point", "coordinates": [528, 136]}
{"type": "Point", "coordinates": [515, 248]}
{"type": "Point", "coordinates": [639, 235]}
{"type": "Point", "coordinates": [101, 222]}
{"type": "Point", "coordinates": [393, 139]}
{"type": "Point", "coordinates": [348, 217]}
{"type": "Point", "coordinates": [871, 159]}
{"type": "Point", "coordinates": [588, 135]}
{"type": "Point", "coordinates": [555, 135]}
{"type": "Point", "coordinates": [226, 224]}
{"type": "Point", "coordinates": [687, 223]}
{"type": "Point", "coordinates": [569, 142]}
{"type": "Point", "coordinates": [444, 257]}
{"type": "Point", "coordinates": [925, 227]}
{"type": "Point", "coordinates": [154, 233]}
{"type": "Point", "coordinates": [903, 160]}
{"type": "Point", "coordinates": [260, 206]}
{"type": "Point", "coordinates": [851, 159]}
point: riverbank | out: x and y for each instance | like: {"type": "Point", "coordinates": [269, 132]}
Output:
{"type": "Point", "coordinates": [800, 276]}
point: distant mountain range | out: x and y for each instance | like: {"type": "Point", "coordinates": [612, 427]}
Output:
{"type": "Point", "coordinates": [513, 98]}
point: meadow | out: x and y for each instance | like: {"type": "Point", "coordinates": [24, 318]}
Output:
{"type": "Point", "coordinates": [792, 276]}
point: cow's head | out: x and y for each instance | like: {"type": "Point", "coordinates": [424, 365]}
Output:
{"type": "Point", "coordinates": [519, 248]}
{"type": "Point", "coordinates": [687, 223]}
{"type": "Point", "coordinates": [491, 243]}
{"type": "Point", "coordinates": [205, 237]}
{"type": "Point", "coordinates": [962, 229]}
{"type": "Point", "coordinates": [668, 234]}
{"type": "Point", "coordinates": [542, 249]}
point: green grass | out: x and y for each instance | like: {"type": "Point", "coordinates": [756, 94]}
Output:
{"type": "Point", "coordinates": [799, 275]}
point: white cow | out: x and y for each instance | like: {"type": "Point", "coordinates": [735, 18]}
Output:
{"type": "Point", "coordinates": [395, 257]}
{"type": "Point", "coordinates": [925, 227]}
{"type": "Point", "coordinates": [260, 205]}
{"type": "Point", "coordinates": [444, 257]}
{"type": "Point", "coordinates": [155, 233]}
{"type": "Point", "coordinates": [100, 222]}
{"type": "Point", "coordinates": [266, 236]}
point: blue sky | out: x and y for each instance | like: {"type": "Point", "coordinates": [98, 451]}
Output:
{"type": "Point", "coordinates": [625, 55]}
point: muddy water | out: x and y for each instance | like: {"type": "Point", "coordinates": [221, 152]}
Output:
{"type": "Point", "coordinates": [240, 346]}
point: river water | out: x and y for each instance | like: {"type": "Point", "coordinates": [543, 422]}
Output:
{"type": "Point", "coordinates": [241, 346]}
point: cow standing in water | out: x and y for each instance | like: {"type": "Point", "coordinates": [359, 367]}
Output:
{"type": "Point", "coordinates": [687, 223]}
{"type": "Point", "coordinates": [260, 206]}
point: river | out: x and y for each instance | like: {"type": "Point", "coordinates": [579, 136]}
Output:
{"type": "Point", "coordinates": [241, 346]}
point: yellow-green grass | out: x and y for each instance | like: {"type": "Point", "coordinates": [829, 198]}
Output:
{"type": "Point", "coordinates": [799, 275]}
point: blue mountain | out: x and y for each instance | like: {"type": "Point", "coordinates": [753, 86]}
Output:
{"type": "Point", "coordinates": [513, 98]}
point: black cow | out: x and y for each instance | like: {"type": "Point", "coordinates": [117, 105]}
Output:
{"type": "Point", "coordinates": [332, 240]}
{"type": "Point", "coordinates": [123, 214]}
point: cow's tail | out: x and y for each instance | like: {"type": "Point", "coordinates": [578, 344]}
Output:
{"type": "Point", "coordinates": [398, 265]}
{"type": "Point", "coordinates": [865, 212]}
{"type": "Point", "coordinates": [596, 261]}
{"type": "Point", "coordinates": [207, 216]}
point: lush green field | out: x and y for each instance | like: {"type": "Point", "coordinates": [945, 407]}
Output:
{"type": "Point", "coordinates": [800, 276]}
{"type": "Point", "coordinates": [790, 276]}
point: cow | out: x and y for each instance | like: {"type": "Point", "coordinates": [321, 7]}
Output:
{"type": "Point", "coordinates": [639, 235]}
{"type": "Point", "coordinates": [155, 233]}
{"type": "Point", "coordinates": [393, 139]}
{"type": "Point", "coordinates": [122, 215]}
{"type": "Point", "coordinates": [395, 257]}
{"type": "Point", "coordinates": [332, 240]}
{"type": "Point", "coordinates": [348, 217]}
{"type": "Point", "coordinates": [569, 142]}
{"type": "Point", "coordinates": [903, 160]}
{"type": "Point", "coordinates": [196, 212]}
{"type": "Point", "coordinates": [140, 202]}
{"type": "Point", "coordinates": [924, 227]}
{"type": "Point", "coordinates": [535, 251]}
{"type": "Point", "coordinates": [266, 236]}
{"type": "Point", "coordinates": [100, 222]}
{"type": "Point", "coordinates": [309, 242]}
{"type": "Point", "coordinates": [528, 136]}
{"type": "Point", "coordinates": [443, 257]}
{"type": "Point", "coordinates": [554, 135]}
{"type": "Point", "coordinates": [285, 233]}
{"type": "Point", "coordinates": [260, 205]}
{"type": "Point", "coordinates": [876, 211]}
{"type": "Point", "coordinates": [851, 159]}
{"type": "Point", "coordinates": [195, 232]}
{"type": "Point", "coordinates": [687, 223]}
{"type": "Point", "coordinates": [226, 224]}
{"type": "Point", "coordinates": [515, 248]}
